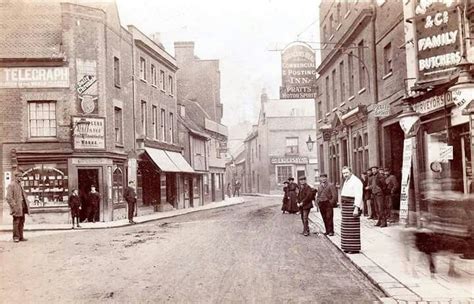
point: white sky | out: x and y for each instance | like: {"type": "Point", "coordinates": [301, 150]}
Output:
{"type": "Point", "coordinates": [238, 33]}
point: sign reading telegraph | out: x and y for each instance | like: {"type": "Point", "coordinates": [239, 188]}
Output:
{"type": "Point", "coordinates": [298, 64]}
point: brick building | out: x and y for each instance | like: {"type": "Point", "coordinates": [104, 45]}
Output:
{"type": "Point", "coordinates": [59, 116]}
{"type": "Point", "coordinates": [361, 72]}
{"type": "Point", "coordinates": [162, 172]}
{"type": "Point", "coordinates": [199, 82]}
{"type": "Point", "coordinates": [276, 148]}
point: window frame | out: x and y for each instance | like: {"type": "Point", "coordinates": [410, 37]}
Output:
{"type": "Point", "coordinates": [50, 134]}
{"type": "Point", "coordinates": [290, 149]}
{"type": "Point", "coordinates": [119, 127]}
{"type": "Point", "coordinates": [117, 72]}
{"type": "Point", "coordinates": [142, 68]}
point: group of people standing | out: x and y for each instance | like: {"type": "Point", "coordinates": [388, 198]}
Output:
{"type": "Point", "coordinates": [87, 205]}
{"type": "Point", "coordinates": [236, 188]}
{"type": "Point", "coordinates": [300, 198]}
{"type": "Point", "coordinates": [381, 195]}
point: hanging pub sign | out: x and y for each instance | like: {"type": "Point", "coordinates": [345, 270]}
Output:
{"type": "Point", "coordinates": [298, 63]}
{"type": "Point", "coordinates": [438, 39]}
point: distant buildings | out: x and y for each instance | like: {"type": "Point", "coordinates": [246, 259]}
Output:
{"type": "Point", "coordinates": [86, 102]}
{"type": "Point", "coordinates": [276, 148]}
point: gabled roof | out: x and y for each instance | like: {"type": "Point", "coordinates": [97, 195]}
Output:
{"type": "Point", "coordinates": [193, 127]}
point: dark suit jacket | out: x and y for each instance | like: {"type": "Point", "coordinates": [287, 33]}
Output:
{"type": "Point", "coordinates": [327, 193]}
{"type": "Point", "coordinates": [130, 195]}
{"type": "Point", "coordinates": [305, 196]}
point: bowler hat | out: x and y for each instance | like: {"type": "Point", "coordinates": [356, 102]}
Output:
{"type": "Point", "coordinates": [290, 178]}
{"type": "Point", "coordinates": [323, 175]}
{"type": "Point", "coordinates": [302, 177]}
{"type": "Point", "coordinates": [376, 167]}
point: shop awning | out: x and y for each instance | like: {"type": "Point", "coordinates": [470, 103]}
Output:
{"type": "Point", "coordinates": [161, 159]}
{"type": "Point", "coordinates": [180, 162]}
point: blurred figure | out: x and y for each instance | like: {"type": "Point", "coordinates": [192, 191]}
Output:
{"type": "Point", "coordinates": [228, 190]}
{"type": "Point", "coordinates": [130, 196]}
{"type": "Point", "coordinates": [94, 201]}
{"type": "Point", "coordinates": [284, 207]}
{"type": "Point", "coordinates": [293, 191]}
{"type": "Point", "coordinates": [365, 181]}
{"type": "Point", "coordinates": [18, 202]}
{"type": "Point", "coordinates": [368, 192]}
{"type": "Point", "coordinates": [237, 188]}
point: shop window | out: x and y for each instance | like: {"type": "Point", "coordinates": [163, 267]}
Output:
{"type": "Point", "coordinates": [283, 173]}
{"type": "Point", "coordinates": [46, 185]}
{"type": "Point", "coordinates": [292, 145]}
{"type": "Point", "coordinates": [42, 118]}
{"type": "Point", "coordinates": [117, 187]}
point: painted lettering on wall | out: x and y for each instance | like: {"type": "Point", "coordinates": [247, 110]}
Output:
{"type": "Point", "coordinates": [42, 77]}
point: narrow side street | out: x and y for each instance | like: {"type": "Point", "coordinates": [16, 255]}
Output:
{"type": "Point", "coordinates": [250, 253]}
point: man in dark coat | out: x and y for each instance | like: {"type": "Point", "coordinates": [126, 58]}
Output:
{"type": "Point", "coordinates": [130, 196]}
{"type": "Point", "coordinates": [94, 201]}
{"type": "Point", "coordinates": [74, 203]}
{"type": "Point", "coordinates": [305, 203]}
{"type": "Point", "coordinates": [378, 186]}
{"type": "Point", "coordinates": [17, 200]}
{"type": "Point", "coordinates": [292, 196]}
{"type": "Point", "coordinates": [327, 200]}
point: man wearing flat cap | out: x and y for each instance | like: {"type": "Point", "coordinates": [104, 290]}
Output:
{"type": "Point", "coordinates": [17, 200]}
{"type": "Point", "coordinates": [305, 203]}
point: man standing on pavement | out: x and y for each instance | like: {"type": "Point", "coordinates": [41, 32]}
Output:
{"type": "Point", "coordinates": [130, 196]}
{"type": "Point", "coordinates": [16, 198]}
{"type": "Point", "coordinates": [327, 200]}
{"type": "Point", "coordinates": [237, 188]}
{"type": "Point", "coordinates": [352, 204]}
{"type": "Point", "coordinates": [74, 203]}
{"type": "Point", "coordinates": [378, 191]}
{"type": "Point", "coordinates": [94, 201]}
{"type": "Point", "coordinates": [391, 194]}
{"type": "Point", "coordinates": [305, 203]}
{"type": "Point", "coordinates": [368, 192]}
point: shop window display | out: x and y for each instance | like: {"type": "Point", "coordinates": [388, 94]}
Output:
{"type": "Point", "coordinates": [117, 190]}
{"type": "Point", "coordinates": [46, 185]}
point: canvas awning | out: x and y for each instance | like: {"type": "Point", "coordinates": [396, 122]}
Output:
{"type": "Point", "coordinates": [161, 159]}
{"type": "Point", "coordinates": [180, 162]}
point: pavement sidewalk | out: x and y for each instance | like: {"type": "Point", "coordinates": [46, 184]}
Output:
{"type": "Point", "coordinates": [124, 222]}
{"type": "Point", "coordinates": [390, 260]}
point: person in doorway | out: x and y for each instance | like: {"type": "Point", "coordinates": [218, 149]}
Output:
{"type": "Point", "coordinates": [130, 196]}
{"type": "Point", "coordinates": [94, 201]}
{"type": "Point", "coordinates": [18, 202]}
{"type": "Point", "coordinates": [305, 203]}
{"type": "Point", "coordinates": [327, 200]}
{"type": "Point", "coordinates": [352, 204]}
{"type": "Point", "coordinates": [284, 207]}
{"type": "Point", "coordinates": [237, 188]}
{"type": "Point", "coordinates": [229, 190]}
{"type": "Point", "coordinates": [378, 192]}
{"type": "Point", "coordinates": [365, 181]}
{"type": "Point", "coordinates": [292, 196]}
{"type": "Point", "coordinates": [74, 203]}
{"type": "Point", "coordinates": [391, 193]}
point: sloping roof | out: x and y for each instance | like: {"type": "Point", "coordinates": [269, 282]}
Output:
{"type": "Point", "coordinates": [30, 29]}
{"type": "Point", "coordinates": [193, 127]}
{"type": "Point", "coordinates": [252, 134]}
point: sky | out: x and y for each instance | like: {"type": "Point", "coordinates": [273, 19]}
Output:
{"type": "Point", "coordinates": [246, 36]}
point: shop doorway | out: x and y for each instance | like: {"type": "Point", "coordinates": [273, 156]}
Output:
{"type": "Point", "coordinates": [87, 178]}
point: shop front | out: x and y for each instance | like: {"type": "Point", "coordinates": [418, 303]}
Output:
{"type": "Point", "coordinates": [284, 167]}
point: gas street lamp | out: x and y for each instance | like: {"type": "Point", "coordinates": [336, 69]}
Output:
{"type": "Point", "coordinates": [409, 121]}
{"type": "Point", "coordinates": [310, 143]}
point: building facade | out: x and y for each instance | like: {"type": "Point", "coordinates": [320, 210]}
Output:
{"type": "Point", "coordinates": [276, 149]}
{"type": "Point", "coordinates": [58, 105]}
{"type": "Point", "coordinates": [198, 81]}
{"type": "Point", "coordinates": [361, 85]}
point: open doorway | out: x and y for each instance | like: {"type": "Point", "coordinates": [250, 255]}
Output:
{"type": "Point", "coordinates": [87, 178]}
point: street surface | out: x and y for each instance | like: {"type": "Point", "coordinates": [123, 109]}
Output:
{"type": "Point", "coordinates": [249, 253]}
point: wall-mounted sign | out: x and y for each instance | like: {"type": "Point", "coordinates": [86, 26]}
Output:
{"type": "Point", "coordinates": [95, 137]}
{"type": "Point", "coordinates": [87, 86]}
{"type": "Point", "coordinates": [405, 182]}
{"type": "Point", "coordinates": [463, 97]}
{"type": "Point", "coordinates": [446, 153]}
{"type": "Point", "coordinates": [298, 63]}
{"type": "Point", "coordinates": [438, 38]}
{"type": "Point", "coordinates": [289, 160]}
{"type": "Point", "coordinates": [433, 103]}
{"type": "Point", "coordinates": [382, 110]}
{"type": "Point", "coordinates": [45, 77]}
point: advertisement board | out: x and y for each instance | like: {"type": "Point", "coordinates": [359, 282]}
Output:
{"type": "Point", "coordinates": [298, 63]}
{"type": "Point", "coordinates": [94, 139]}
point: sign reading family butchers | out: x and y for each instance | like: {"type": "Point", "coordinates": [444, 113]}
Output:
{"type": "Point", "coordinates": [438, 38]}
{"type": "Point", "coordinates": [298, 64]}
{"type": "Point", "coordinates": [45, 77]}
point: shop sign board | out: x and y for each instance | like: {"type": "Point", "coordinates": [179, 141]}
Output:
{"type": "Point", "coordinates": [446, 153]}
{"type": "Point", "coordinates": [382, 110]}
{"type": "Point", "coordinates": [34, 77]}
{"type": "Point", "coordinates": [94, 139]}
{"type": "Point", "coordinates": [405, 182]}
{"type": "Point", "coordinates": [438, 39]}
{"type": "Point", "coordinates": [433, 103]}
{"type": "Point", "coordinates": [289, 160]}
{"type": "Point", "coordinates": [298, 63]}
{"type": "Point", "coordinates": [463, 97]}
